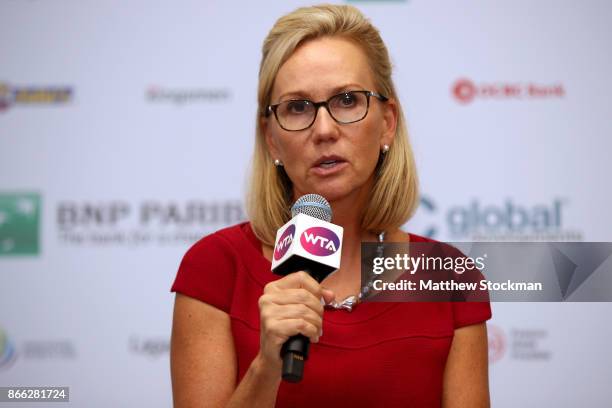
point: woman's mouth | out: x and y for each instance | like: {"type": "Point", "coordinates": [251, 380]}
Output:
{"type": "Point", "coordinates": [329, 165]}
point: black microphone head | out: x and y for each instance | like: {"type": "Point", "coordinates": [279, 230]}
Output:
{"type": "Point", "coordinates": [314, 205]}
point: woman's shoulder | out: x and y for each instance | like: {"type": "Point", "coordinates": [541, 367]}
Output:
{"type": "Point", "coordinates": [429, 245]}
{"type": "Point", "coordinates": [419, 238]}
{"type": "Point", "coordinates": [210, 267]}
{"type": "Point", "coordinates": [433, 246]}
{"type": "Point", "coordinates": [228, 240]}
{"type": "Point", "coordinates": [403, 236]}
{"type": "Point", "coordinates": [231, 233]}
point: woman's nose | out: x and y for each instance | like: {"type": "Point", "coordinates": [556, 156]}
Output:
{"type": "Point", "coordinates": [324, 126]}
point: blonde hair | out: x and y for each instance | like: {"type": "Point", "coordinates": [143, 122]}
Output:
{"type": "Point", "coordinates": [394, 195]}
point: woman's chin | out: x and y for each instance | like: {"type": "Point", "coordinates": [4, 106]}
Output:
{"type": "Point", "coordinates": [334, 193]}
{"type": "Point", "coordinates": [338, 189]}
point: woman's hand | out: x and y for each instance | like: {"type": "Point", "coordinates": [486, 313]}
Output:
{"type": "Point", "coordinates": [289, 306]}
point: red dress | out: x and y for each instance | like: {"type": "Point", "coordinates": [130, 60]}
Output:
{"type": "Point", "coordinates": [378, 355]}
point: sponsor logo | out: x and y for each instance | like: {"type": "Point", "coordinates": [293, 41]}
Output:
{"type": "Point", "coordinates": [466, 91]}
{"type": "Point", "coordinates": [508, 217]}
{"type": "Point", "coordinates": [320, 241]}
{"type": "Point", "coordinates": [7, 351]}
{"type": "Point", "coordinates": [284, 242]}
{"type": "Point", "coordinates": [429, 207]}
{"type": "Point", "coordinates": [33, 95]}
{"type": "Point", "coordinates": [506, 221]}
{"type": "Point", "coordinates": [118, 222]}
{"type": "Point", "coordinates": [150, 347]}
{"type": "Point", "coordinates": [19, 223]}
{"type": "Point", "coordinates": [497, 343]}
{"type": "Point", "coordinates": [34, 350]}
{"type": "Point", "coordinates": [517, 344]}
{"type": "Point", "coordinates": [527, 344]}
{"type": "Point", "coordinates": [48, 349]}
{"type": "Point", "coordinates": [158, 94]}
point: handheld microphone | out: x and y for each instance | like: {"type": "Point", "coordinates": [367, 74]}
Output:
{"type": "Point", "coordinates": [308, 242]}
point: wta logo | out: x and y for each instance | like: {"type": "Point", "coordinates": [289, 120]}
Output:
{"type": "Point", "coordinates": [284, 242]}
{"type": "Point", "coordinates": [320, 241]}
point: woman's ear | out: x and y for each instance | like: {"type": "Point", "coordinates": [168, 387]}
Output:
{"type": "Point", "coordinates": [269, 138]}
{"type": "Point", "coordinates": [390, 117]}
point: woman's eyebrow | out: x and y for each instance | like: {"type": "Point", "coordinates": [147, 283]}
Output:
{"type": "Point", "coordinates": [300, 94]}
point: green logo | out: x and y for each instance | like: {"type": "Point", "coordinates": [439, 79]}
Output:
{"type": "Point", "coordinates": [19, 224]}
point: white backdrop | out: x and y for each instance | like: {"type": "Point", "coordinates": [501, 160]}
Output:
{"type": "Point", "coordinates": [125, 134]}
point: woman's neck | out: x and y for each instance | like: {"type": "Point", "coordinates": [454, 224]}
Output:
{"type": "Point", "coordinates": [347, 214]}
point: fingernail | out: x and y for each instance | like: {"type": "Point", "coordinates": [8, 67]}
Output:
{"type": "Point", "coordinates": [321, 332]}
{"type": "Point", "coordinates": [322, 301]}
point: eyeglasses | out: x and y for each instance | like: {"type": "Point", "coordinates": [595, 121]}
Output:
{"type": "Point", "coordinates": [346, 107]}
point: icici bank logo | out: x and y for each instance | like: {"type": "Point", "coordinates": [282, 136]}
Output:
{"type": "Point", "coordinates": [320, 241]}
{"type": "Point", "coordinates": [284, 242]}
{"type": "Point", "coordinates": [464, 91]}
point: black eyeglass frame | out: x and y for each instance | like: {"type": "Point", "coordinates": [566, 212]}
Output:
{"type": "Point", "coordinates": [272, 108]}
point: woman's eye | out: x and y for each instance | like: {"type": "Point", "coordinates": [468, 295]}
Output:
{"type": "Point", "coordinates": [296, 106]}
{"type": "Point", "coordinates": [347, 99]}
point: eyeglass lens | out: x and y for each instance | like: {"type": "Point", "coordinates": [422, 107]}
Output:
{"type": "Point", "coordinates": [345, 108]}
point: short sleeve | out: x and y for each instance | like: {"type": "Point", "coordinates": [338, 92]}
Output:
{"type": "Point", "coordinates": [207, 272]}
{"type": "Point", "coordinates": [470, 306]}
{"type": "Point", "coordinates": [467, 313]}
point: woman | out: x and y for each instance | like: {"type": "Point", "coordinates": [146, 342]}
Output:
{"type": "Point", "coordinates": [329, 123]}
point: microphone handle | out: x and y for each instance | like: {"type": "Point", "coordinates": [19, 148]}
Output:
{"type": "Point", "coordinates": [294, 352]}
